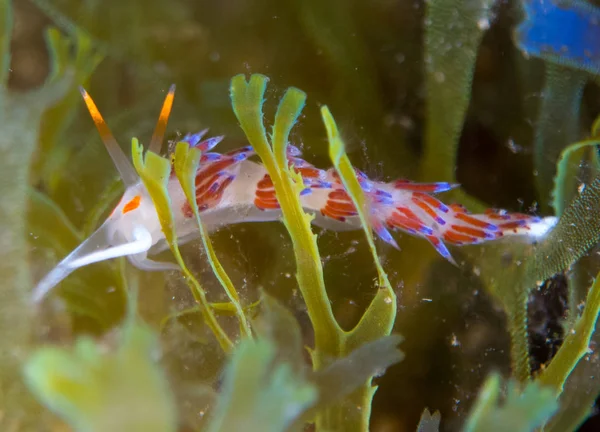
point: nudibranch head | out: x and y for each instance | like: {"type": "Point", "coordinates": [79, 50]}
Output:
{"type": "Point", "coordinates": [134, 209]}
{"type": "Point", "coordinates": [133, 227]}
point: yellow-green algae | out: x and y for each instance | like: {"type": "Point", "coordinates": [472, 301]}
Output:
{"type": "Point", "coordinates": [154, 172]}
{"type": "Point", "coordinates": [95, 388]}
{"type": "Point", "coordinates": [331, 341]}
{"type": "Point", "coordinates": [186, 162]}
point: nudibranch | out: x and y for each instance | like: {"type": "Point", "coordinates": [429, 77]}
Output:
{"type": "Point", "coordinates": [232, 188]}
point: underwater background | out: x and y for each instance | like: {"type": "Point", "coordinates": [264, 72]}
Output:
{"type": "Point", "coordinates": [441, 90]}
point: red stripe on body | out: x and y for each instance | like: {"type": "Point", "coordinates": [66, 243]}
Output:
{"type": "Point", "coordinates": [265, 182]}
{"type": "Point", "coordinates": [345, 207]}
{"type": "Point", "coordinates": [472, 220]}
{"type": "Point", "coordinates": [333, 215]}
{"type": "Point", "coordinates": [400, 221]}
{"type": "Point", "coordinates": [266, 205]}
{"type": "Point", "coordinates": [309, 172]}
{"type": "Point", "coordinates": [213, 169]}
{"type": "Point", "coordinates": [423, 206]}
{"type": "Point", "coordinates": [513, 225]}
{"type": "Point", "coordinates": [469, 231]}
{"type": "Point", "coordinates": [458, 239]}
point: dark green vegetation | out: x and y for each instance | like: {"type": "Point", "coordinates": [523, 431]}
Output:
{"type": "Point", "coordinates": [436, 92]}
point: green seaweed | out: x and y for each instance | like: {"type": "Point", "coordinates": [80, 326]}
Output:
{"type": "Point", "coordinates": [515, 304]}
{"type": "Point", "coordinates": [573, 379]}
{"type": "Point", "coordinates": [347, 375]}
{"type": "Point", "coordinates": [578, 398]}
{"type": "Point", "coordinates": [265, 385]}
{"type": "Point", "coordinates": [450, 53]}
{"type": "Point", "coordinates": [341, 377]}
{"type": "Point", "coordinates": [257, 395]}
{"type": "Point", "coordinates": [379, 318]}
{"type": "Point", "coordinates": [154, 172]}
{"type": "Point", "coordinates": [575, 233]}
{"type": "Point", "coordinates": [269, 387]}
{"type": "Point", "coordinates": [348, 177]}
{"type": "Point", "coordinates": [331, 341]}
{"type": "Point", "coordinates": [97, 391]}
{"type": "Point", "coordinates": [575, 345]}
{"type": "Point", "coordinates": [520, 411]}
{"type": "Point", "coordinates": [247, 100]}
{"type": "Point", "coordinates": [51, 156]}
{"type": "Point", "coordinates": [429, 422]}
{"type": "Point", "coordinates": [569, 162]}
{"type": "Point", "coordinates": [6, 18]}
{"type": "Point", "coordinates": [577, 165]}
{"type": "Point", "coordinates": [277, 324]}
{"type": "Point", "coordinates": [222, 309]}
{"type": "Point", "coordinates": [20, 117]}
{"type": "Point", "coordinates": [512, 290]}
{"type": "Point", "coordinates": [563, 91]}
{"type": "Point", "coordinates": [186, 162]}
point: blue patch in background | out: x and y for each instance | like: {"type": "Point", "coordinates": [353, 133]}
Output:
{"type": "Point", "coordinates": [563, 32]}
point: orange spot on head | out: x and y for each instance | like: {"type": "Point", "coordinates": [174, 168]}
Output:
{"type": "Point", "coordinates": [132, 204]}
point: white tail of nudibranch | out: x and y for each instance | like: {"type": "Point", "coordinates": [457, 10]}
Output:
{"type": "Point", "coordinates": [133, 227]}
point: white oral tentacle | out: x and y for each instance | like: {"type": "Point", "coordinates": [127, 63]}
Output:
{"type": "Point", "coordinates": [94, 249]}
